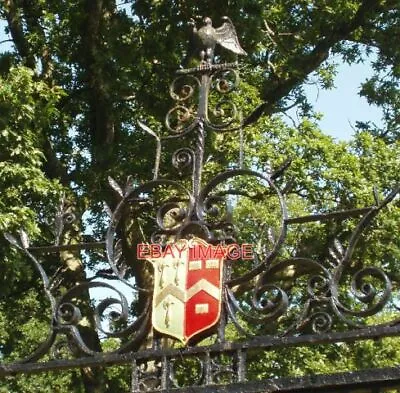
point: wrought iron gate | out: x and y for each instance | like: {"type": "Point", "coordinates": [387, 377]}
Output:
{"type": "Point", "coordinates": [328, 302]}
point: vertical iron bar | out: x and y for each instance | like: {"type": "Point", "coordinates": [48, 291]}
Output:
{"type": "Point", "coordinates": [241, 146]}
{"type": "Point", "coordinates": [164, 373]}
{"type": "Point", "coordinates": [135, 378]}
{"type": "Point", "coordinates": [201, 134]}
{"type": "Point", "coordinates": [156, 343]}
{"type": "Point", "coordinates": [221, 326]}
{"type": "Point", "coordinates": [226, 275]}
{"type": "Point", "coordinates": [207, 369]}
{"type": "Point", "coordinates": [158, 158]}
{"type": "Point", "coordinates": [203, 96]}
{"type": "Point", "coordinates": [241, 365]}
{"type": "Point", "coordinates": [199, 156]}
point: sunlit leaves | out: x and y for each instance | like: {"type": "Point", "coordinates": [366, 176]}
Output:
{"type": "Point", "coordinates": [27, 107]}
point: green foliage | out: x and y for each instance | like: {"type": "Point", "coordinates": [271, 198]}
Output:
{"type": "Point", "coordinates": [325, 359]}
{"type": "Point", "coordinates": [27, 106]}
{"type": "Point", "coordinates": [45, 382]}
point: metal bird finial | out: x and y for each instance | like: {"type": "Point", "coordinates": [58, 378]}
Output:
{"type": "Point", "coordinates": [205, 39]}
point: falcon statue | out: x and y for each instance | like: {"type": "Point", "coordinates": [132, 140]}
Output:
{"type": "Point", "coordinates": [205, 39]}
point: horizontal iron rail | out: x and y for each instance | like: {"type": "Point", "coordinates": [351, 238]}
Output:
{"type": "Point", "coordinates": [67, 247]}
{"type": "Point", "coordinates": [329, 216]}
{"type": "Point", "coordinates": [262, 342]}
{"type": "Point", "coordinates": [295, 220]}
{"type": "Point", "coordinates": [370, 381]}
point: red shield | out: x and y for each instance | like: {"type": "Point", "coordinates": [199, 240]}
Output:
{"type": "Point", "coordinates": [187, 288]}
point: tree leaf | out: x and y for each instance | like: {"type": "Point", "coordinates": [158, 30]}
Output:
{"type": "Point", "coordinates": [338, 246]}
{"type": "Point", "coordinates": [336, 252]}
{"type": "Point", "coordinates": [128, 185]}
{"type": "Point", "coordinates": [148, 130]}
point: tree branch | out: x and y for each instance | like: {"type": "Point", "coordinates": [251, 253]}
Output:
{"type": "Point", "coordinates": [4, 41]}
{"type": "Point", "coordinates": [33, 14]}
{"type": "Point", "coordinates": [101, 107]}
{"type": "Point", "coordinates": [15, 26]}
{"type": "Point", "coordinates": [307, 63]}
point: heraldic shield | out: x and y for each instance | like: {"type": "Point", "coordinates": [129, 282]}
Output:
{"type": "Point", "coordinates": [187, 288]}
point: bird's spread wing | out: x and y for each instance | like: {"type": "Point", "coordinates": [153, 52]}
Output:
{"type": "Point", "coordinates": [226, 36]}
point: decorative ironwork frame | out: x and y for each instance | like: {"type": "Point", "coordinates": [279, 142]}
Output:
{"type": "Point", "coordinates": [252, 298]}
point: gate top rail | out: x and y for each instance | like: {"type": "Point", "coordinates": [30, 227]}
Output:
{"type": "Point", "coordinates": [261, 343]}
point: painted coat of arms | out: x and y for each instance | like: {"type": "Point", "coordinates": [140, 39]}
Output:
{"type": "Point", "coordinates": [187, 288]}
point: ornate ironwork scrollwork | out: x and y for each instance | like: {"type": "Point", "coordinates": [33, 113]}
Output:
{"type": "Point", "coordinates": [181, 119]}
{"type": "Point", "coordinates": [183, 159]}
{"type": "Point", "coordinates": [178, 372]}
{"type": "Point", "coordinates": [272, 296]}
{"type": "Point", "coordinates": [224, 112]}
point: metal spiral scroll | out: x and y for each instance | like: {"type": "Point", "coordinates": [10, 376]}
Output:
{"type": "Point", "coordinates": [179, 378]}
{"type": "Point", "coordinates": [321, 307]}
{"type": "Point", "coordinates": [214, 219]}
{"type": "Point", "coordinates": [23, 244]}
{"type": "Point", "coordinates": [69, 315]}
{"type": "Point", "coordinates": [183, 159]}
{"type": "Point", "coordinates": [181, 119]}
{"type": "Point", "coordinates": [224, 112]}
{"type": "Point", "coordinates": [362, 288]}
{"type": "Point", "coordinates": [372, 296]}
